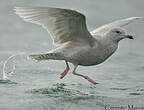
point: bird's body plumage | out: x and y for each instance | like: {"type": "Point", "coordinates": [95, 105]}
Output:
{"type": "Point", "coordinates": [79, 46]}
{"type": "Point", "coordinates": [84, 54]}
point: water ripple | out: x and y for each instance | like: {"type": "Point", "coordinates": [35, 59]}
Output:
{"type": "Point", "coordinates": [7, 82]}
{"type": "Point", "coordinates": [57, 90]}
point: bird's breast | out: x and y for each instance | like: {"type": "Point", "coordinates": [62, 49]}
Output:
{"type": "Point", "coordinates": [87, 56]}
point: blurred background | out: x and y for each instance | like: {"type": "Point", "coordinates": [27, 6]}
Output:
{"type": "Point", "coordinates": [37, 85]}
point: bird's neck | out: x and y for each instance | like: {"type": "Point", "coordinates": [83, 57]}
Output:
{"type": "Point", "coordinates": [112, 39]}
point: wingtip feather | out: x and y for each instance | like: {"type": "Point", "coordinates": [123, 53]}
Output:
{"type": "Point", "coordinates": [133, 18]}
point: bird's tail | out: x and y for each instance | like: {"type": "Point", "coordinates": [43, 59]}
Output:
{"type": "Point", "coordinates": [53, 56]}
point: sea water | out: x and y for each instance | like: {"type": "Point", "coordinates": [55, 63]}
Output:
{"type": "Point", "coordinates": [37, 85]}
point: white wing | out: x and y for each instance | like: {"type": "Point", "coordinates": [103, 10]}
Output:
{"type": "Point", "coordinates": [62, 24]}
{"type": "Point", "coordinates": [119, 23]}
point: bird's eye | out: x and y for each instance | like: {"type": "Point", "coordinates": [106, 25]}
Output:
{"type": "Point", "coordinates": [118, 32]}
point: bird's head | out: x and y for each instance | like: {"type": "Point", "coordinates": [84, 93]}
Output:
{"type": "Point", "coordinates": [117, 34]}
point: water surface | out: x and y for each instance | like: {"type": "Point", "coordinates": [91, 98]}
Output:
{"type": "Point", "coordinates": [36, 86]}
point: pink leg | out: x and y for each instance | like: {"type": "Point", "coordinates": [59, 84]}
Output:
{"type": "Point", "coordinates": [65, 71]}
{"type": "Point", "coordinates": [86, 77]}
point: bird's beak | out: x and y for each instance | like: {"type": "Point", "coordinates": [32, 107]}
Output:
{"type": "Point", "coordinates": [129, 36]}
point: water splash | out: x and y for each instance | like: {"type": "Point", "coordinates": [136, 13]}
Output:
{"type": "Point", "coordinates": [11, 58]}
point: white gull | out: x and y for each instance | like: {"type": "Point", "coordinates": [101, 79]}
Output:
{"type": "Point", "coordinates": [78, 45]}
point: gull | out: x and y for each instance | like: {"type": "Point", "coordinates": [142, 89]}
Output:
{"type": "Point", "coordinates": [76, 44]}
